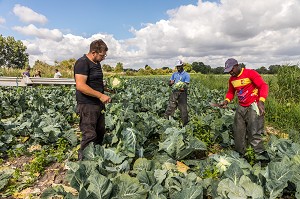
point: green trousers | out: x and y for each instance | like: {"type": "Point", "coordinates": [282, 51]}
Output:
{"type": "Point", "coordinates": [248, 128]}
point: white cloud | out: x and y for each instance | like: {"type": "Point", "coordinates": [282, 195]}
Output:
{"type": "Point", "coordinates": [257, 33]}
{"type": "Point", "coordinates": [69, 46]}
{"type": "Point", "coordinates": [253, 31]}
{"type": "Point", "coordinates": [42, 33]}
{"type": "Point", "coordinates": [27, 15]}
{"type": "Point", "coordinates": [2, 20]}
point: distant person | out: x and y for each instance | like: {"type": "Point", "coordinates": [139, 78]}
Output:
{"type": "Point", "coordinates": [57, 74]}
{"type": "Point", "coordinates": [27, 72]}
{"type": "Point", "coordinates": [90, 95]}
{"type": "Point", "coordinates": [38, 74]}
{"type": "Point", "coordinates": [251, 91]}
{"type": "Point", "coordinates": [178, 98]}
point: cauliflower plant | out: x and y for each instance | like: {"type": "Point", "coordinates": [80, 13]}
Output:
{"type": "Point", "coordinates": [115, 82]}
{"type": "Point", "coordinates": [179, 85]}
{"type": "Point", "coordinates": [223, 163]}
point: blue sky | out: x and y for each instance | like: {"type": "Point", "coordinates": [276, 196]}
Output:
{"type": "Point", "coordinates": [157, 32]}
{"type": "Point", "coordinates": [86, 18]}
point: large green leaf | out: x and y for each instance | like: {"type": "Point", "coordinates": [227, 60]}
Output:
{"type": "Point", "coordinates": [129, 142]}
{"type": "Point", "coordinates": [229, 189]}
{"type": "Point", "coordinates": [252, 190]}
{"type": "Point", "coordinates": [129, 188]}
{"type": "Point", "coordinates": [112, 156]}
{"type": "Point", "coordinates": [158, 192]}
{"type": "Point", "coordinates": [124, 167]}
{"type": "Point", "coordinates": [174, 144]}
{"type": "Point", "coordinates": [4, 178]}
{"type": "Point", "coordinates": [79, 179]}
{"type": "Point", "coordinates": [100, 186]}
{"type": "Point", "coordinates": [160, 175]}
{"type": "Point", "coordinates": [93, 152]}
{"type": "Point", "coordinates": [56, 191]}
{"type": "Point", "coordinates": [146, 178]}
{"type": "Point", "coordinates": [194, 192]}
{"type": "Point", "coordinates": [297, 194]}
{"type": "Point", "coordinates": [144, 164]}
{"type": "Point", "coordinates": [277, 176]}
{"type": "Point", "coordinates": [234, 172]}
{"type": "Point", "coordinates": [192, 146]}
{"type": "Point", "coordinates": [71, 137]}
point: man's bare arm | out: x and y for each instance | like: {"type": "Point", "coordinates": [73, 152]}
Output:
{"type": "Point", "coordinates": [87, 90]}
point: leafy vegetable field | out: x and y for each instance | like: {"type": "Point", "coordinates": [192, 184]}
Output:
{"type": "Point", "coordinates": [143, 154]}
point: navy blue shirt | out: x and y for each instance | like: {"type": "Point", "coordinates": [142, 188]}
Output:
{"type": "Point", "coordinates": [93, 71]}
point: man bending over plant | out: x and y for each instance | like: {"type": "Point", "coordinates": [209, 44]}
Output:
{"type": "Point", "coordinates": [252, 92]}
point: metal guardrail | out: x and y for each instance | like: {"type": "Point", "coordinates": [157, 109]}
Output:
{"type": "Point", "coordinates": [31, 81]}
{"type": "Point", "coordinates": [12, 81]}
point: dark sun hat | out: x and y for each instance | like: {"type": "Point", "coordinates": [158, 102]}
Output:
{"type": "Point", "coordinates": [229, 64]}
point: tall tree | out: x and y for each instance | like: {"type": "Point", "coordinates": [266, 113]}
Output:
{"type": "Point", "coordinates": [196, 66]}
{"type": "Point", "coordinates": [39, 63]}
{"type": "Point", "coordinates": [187, 67]}
{"type": "Point", "coordinates": [2, 50]}
{"type": "Point", "coordinates": [119, 67]}
{"type": "Point", "coordinates": [147, 67]}
{"type": "Point", "coordinates": [12, 53]}
{"type": "Point", "coordinates": [218, 70]}
{"type": "Point", "coordinates": [273, 69]}
{"type": "Point", "coordinates": [107, 68]}
{"type": "Point", "coordinates": [262, 70]}
{"type": "Point", "coordinates": [201, 67]}
{"type": "Point", "coordinates": [67, 63]}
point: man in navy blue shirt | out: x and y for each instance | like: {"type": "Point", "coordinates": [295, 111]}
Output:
{"type": "Point", "coordinates": [178, 98]}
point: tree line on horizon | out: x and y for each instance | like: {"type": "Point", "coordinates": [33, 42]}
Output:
{"type": "Point", "coordinates": [13, 55]}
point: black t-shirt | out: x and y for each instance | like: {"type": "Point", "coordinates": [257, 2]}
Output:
{"type": "Point", "coordinates": [84, 66]}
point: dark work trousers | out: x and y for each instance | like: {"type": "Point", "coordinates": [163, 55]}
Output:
{"type": "Point", "coordinates": [178, 99]}
{"type": "Point", "coordinates": [92, 125]}
{"type": "Point", "coordinates": [248, 128]}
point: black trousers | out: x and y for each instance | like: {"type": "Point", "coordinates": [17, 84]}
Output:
{"type": "Point", "coordinates": [92, 125]}
{"type": "Point", "coordinates": [178, 99]}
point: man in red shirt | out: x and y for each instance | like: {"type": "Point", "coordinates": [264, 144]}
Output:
{"type": "Point", "coordinates": [252, 92]}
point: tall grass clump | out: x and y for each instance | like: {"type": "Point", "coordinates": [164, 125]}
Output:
{"type": "Point", "coordinates": [288, 79]}
{"type": "Point", "coordinates": [284, 116]}
{"type": "Point", "coordinates": [11, 72]}
{"type": "Point", "coordinates": [219, 82]}
{"type": "Point", "coordinates": [283, 107]}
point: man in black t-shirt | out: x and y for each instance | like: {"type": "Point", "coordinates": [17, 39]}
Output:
{"type": "Point", "coordinates": [90, 95]}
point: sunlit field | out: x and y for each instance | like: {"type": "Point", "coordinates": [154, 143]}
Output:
{"type": "Point", "coordinates": [143, 154]}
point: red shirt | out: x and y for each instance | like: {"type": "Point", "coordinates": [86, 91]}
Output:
{"type": "Point", "coordinates": [249, 87]}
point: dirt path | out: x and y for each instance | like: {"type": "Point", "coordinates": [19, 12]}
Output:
{"type": "Point", "coordinates": [53, 175]}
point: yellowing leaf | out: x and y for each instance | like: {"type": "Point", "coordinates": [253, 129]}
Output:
{"type": "Point", "coordinates": [67, 188]}
{"type": "Point", "coordinates": [168, 166]}
{"type": "Point", "coordinates": [27, 193]}
{"type": "Point", "coordinates": [34, 148]}
{"type": "Point", "coordinates": [181, 167]}
{"type": "Point", "coordinates": [7, 169]}
{"type": "Point", "coordinates": [284, 135]}
{"type": "Point", "coordinates": [25, 139]}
